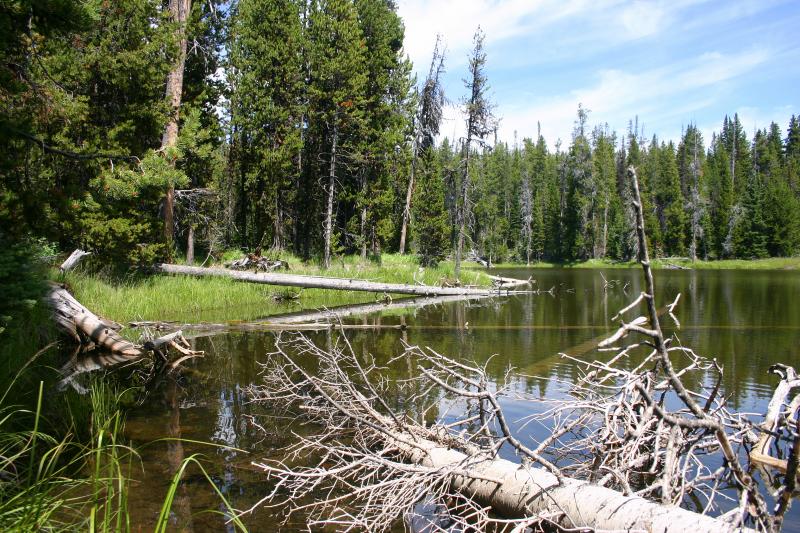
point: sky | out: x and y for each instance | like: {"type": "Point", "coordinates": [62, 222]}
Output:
{"type": "Point", "coordinates": [669, 63]}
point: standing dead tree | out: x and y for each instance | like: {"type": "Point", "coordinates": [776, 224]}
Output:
{"type": "Point", "coordinates": [625, 445]}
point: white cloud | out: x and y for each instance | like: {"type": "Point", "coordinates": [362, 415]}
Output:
{"type": "Point", "coordinates": [457, 21]}
{"type": "Point", "coordinates": [619, 96]}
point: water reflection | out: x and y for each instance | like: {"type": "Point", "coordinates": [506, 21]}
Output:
{"type": "Point", "coordinates": [747, 320]}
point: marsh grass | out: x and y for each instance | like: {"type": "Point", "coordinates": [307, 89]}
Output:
{"type": "Point", "coordinates": [189, 299]}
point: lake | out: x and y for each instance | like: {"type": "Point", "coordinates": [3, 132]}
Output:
{"type": "Point", "coordinates": [747, 320]}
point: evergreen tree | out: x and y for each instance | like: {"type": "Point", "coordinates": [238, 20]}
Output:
{"type": "Point", "coordinates": [430, 215]}
{"type": "Point", "coordinates": [480, 122]}
{"type": "Point", "coordinates": [691, 157]}
{"type": "Point", "coordinates": [336, 95]}
{"type": "Point", "coordinates": [266, 109]}
{"type": "Point", "coordinates": [581, 194]}
{"type": "Point", "coordinates": [669, 199]}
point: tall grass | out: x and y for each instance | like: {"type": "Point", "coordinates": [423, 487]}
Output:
{"type": "Point", "coordinates": [188, 299]}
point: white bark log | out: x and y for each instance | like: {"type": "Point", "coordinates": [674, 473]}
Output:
{"type": "Point", "coordinates": [527, 491]}
{"type": "Point", "coordinates": [319, 282]}
{"type": "Point", "coordinates": [73, 260]}
{"type": "Point", "coordinates": [76, 320]}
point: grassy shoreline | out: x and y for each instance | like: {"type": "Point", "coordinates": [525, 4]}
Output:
{"type": "Point", "coordinates": [771, 263]}
{"type": "Point", "coordinates": [194, 300]}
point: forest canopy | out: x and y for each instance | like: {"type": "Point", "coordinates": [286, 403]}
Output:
{"type": "Point", "coordinates": [303, 128]}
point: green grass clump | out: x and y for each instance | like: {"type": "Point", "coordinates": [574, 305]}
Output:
{"type": "Point", "coordinates": [212, 299]}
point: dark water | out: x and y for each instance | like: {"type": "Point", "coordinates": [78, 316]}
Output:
{"type": "Point", "coordinates": [747, 320]}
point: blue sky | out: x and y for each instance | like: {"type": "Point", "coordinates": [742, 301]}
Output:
{"type": "Point", "coordinates": [669, 62]}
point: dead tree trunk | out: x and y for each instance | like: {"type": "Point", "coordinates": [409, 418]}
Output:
{"type": "Point", "coordinates": [321, 282]}
{"type": "Point", "coordinates": [394, 462]}
{"type": "Point", "coordinates": [190, 245]}
{"type": "Point", "coordinates": [83, 326]}
{"type": "Point", "coordinates": [72, 260]}
{"type": "Point", "coordinates": [326, 260]}
{"type": "Point", "coordinates": [407, 207]}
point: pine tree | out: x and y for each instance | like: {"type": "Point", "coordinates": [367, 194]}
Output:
{"type": "Point", "coordinates": [430, 215]}
{"type": "Point", "coordinates": [480, 122]}
{"type": "Point", "coordinates": [336, 95]}
{"type": "Point", "coordinates": [672, 215]}
{"type": "Point", "coordinates": [691, 157]}
{"type": "Point", "coordinates": [581, 194]}
{"type": "Point", "coordinates": [266, 40]}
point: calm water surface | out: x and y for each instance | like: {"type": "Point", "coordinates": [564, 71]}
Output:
{"type": "Point", "coordinates": [748, 320]}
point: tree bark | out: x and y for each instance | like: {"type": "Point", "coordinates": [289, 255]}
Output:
{"type": "Point", "coordinates": [79, 323]}
{"type": "Point", "coordinates": [326, 261]}
{"type": "Point", "coordinates": [321, 282]}
{"type": "Point", "coordinates": [528, 491]}
{"type": "Point", "coordinates": [179, 11]}
{"type": "Point", "coordinates": [190, 246]}
{"type": "Point", "coordinates": [407, 208]}
{"type": "Point", "coordinates": [73, 260]}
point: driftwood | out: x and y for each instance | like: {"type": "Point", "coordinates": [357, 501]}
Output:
{"type": "Point", "coordinates": [510, 283]}
{"type": "Point", "coordinates": [780, 413]}
{"type": "Point", "coordinates": [321, 282]}
{"type": "Point", "coordinates": [73, 259]}
{"type": "Point", "coordinates": [83, 326]}
{"type": "Point", "coordinates": [91, 331]}
{"type": "Point", "coordinates": [257, 263]}
{"type": "Point", "coordinates": [394, 462]}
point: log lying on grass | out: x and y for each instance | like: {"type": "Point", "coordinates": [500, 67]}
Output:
{"type": "Point", "coordinates": [320, 282]}
{"type": "Point", "coordinates": [90, 330]}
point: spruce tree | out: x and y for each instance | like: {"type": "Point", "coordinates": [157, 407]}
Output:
{"type": "Point", "coordinates": [336, 96]}
{"type": "Point", "coordinates": [266, 109]}
{"type": "Point", "coordinates": [479, 123]}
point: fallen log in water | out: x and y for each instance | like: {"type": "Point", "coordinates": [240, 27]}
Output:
{"type": "Point", "coordinates": [80, 324]}
{"type": "Point", "coordinates": [320, 282]}
{"type": "Point", "coordinates": [387, 459]}
{"type": "Point", "coordinates": [316, 319]}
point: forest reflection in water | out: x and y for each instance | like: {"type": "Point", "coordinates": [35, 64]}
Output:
{"type": "Point", "coordinates": [747, 320]}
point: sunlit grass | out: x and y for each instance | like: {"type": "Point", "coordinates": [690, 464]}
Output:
{"type": "Point", "coordinates": [212, 299]}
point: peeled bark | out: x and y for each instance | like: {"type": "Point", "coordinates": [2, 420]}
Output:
{"type": "Point", "coordinates": [407, 208]}
{"type": "Point", "coordinates": [517, 492]}
{"type": "Point", "coordinates": [320, 282]}
{"type": "Point", "coordinates": [79, 323]}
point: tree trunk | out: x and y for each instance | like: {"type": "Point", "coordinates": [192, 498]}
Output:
{"type": "Point", "coordinates": [190, 246]}
{"type": "Point", "coordinates": [462, 211]}
{"type": "Point", "coordinates": [179, 11]}
{"type": "Point", "coordinates": [528, 491]}
{"type": "Point", "coordinates": [407, 208]}
{"type": "Point", "coordinates": [326, 261]}
{"type": "Point", "coordinates": [321, 282]}
{"type": "Point", "coordinates": [73, 260]}
{"type": "Point", "coordinates": [363, 215]}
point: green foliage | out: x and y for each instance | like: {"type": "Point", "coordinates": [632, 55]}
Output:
{"type": "Point", "coordinates": [431, 227]}
{"type": "Point", "coordinates": [22, 274]}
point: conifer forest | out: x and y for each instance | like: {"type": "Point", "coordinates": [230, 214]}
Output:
{"type": "Point", "coordinates": [260, 271]}
{"type": "Point", "coordinates": [299, 126]}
